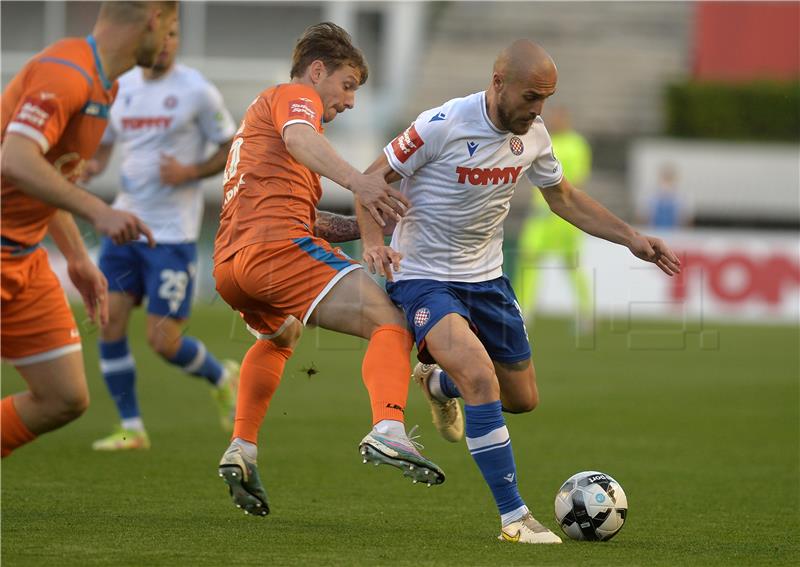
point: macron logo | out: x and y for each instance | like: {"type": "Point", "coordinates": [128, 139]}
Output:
{"type": "Point", "coordinates": [438, 117]}
{"type": "Point", "coordinates": [406, 144]}
{"type": "Point", "coordinates": [509, 477]}
{"type": "Point", "coordinates": [471, 147]}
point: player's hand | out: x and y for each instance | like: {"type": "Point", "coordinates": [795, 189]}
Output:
{"type": "Point", "coordinates": [93, 287]}
{"type": "Point", "coordinates": [378, 197]}
{"type": "Point", "coordinates": [122, 227]}
{"type": "Point", "coordinates": [174, 172]}
{"type": "Point", "coordinates": [90, 170]}
{"type": "Point", "coordinates": [382, 260]}
{"type": "Point", "coordinates": [652, 249]}
{"type": "Point", "coordinates": [391, 224]}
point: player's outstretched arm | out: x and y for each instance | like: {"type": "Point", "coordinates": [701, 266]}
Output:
{"type": "Point", "coordinates": [23, 164]}
{"type": "Point", "coordinates": [315, 152]}
{"type": "Point", "coordinates": [578, 208]}
{"type": "Point", "coordinates": [88, 279]}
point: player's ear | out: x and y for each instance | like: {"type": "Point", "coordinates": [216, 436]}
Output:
{"type": "Point", "coordinates": [497, 82]}
{"type": "Point", "coordinates": [154, 19]}
{"type": "Point", "coordinates": [317, 71]}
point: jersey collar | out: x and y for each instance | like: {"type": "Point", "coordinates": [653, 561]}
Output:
{"type": "Point", "coordinates": [99, 64]}
{"type": "Point", "coordinates": [485, 114]}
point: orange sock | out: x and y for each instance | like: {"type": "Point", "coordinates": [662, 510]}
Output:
{"type": "Point", "coordinates": [259, 377]}
{"type": "Point", "coordinates": [387, 370]}
{"type": "Point", "coordinates": [13, 432]}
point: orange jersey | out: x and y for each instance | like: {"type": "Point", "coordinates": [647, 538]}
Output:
{"type": "Point", "coordinates": [268, 195]}
{"type": "Point", "coordinates": [60, 100]}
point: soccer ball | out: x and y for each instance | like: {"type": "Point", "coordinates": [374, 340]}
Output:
{"type": "Point", "coordinates": [591, 506]}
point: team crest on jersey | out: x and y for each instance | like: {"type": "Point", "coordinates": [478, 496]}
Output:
{"type": "Point", "coordinates": [422, 316]}
{"type": "Point", "coordinates": [406, 144]}
{"type": "Point", "coordinates": [516, 146]}
{"type": "Point", "coordinates": [171, 102]}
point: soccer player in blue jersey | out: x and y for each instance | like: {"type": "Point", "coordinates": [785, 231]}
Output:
{"type": "Point", "coordinates": [459, 164]}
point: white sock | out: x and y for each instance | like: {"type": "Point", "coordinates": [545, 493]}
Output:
{"type": "Point", "coordinates": [390, 427]}
{"type": "Point", "coordinates": [250, 449]}
{"type": "Point", "coordinates": [133, 424]}
{"type": "Point", "coordinates": [513, 515]}
{"type": "Point", "coordinates": [435, 386]}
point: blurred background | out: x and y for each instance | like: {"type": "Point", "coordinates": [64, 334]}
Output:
{"type": "Point", "coordinates": [691, 111]}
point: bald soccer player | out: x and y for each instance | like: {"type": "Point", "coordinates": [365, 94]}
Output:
{"type": "Point", "coordinates": [459, 164]}
{"type": "Point", "coordinates": [54, 112]}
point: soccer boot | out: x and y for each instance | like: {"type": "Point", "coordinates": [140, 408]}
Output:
{"type": "Point", "coordinates": [224, 395]}
{"type": "Point", "coordinates": [527, 530]}
{"type": "Point", "coordinates": [447, 417]}
{"type": "Point", "coordinates": [244, 485]}
{"type": "Point", "coordinates": [400, 452]}
{"type": "Point", "coordinates": [123, 440]}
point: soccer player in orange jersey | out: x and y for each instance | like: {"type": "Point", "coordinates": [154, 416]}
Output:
{"type": "Point", "coordinates": [54, 112]}
{"type": "Point", "coordinates": [272, 266]}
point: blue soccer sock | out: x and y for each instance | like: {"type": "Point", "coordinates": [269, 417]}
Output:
{"type": "Point", "coordinates": [119, 372]}
{"type": "Point", "coordinates": [441, 386]}
{"type": "Point", "coordinates": [194, 359]}
{"type": "Point", "coordinates": [490, 446]}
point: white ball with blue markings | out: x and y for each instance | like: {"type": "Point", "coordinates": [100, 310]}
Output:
{"type": "Point", "coordinates": [591, 506]}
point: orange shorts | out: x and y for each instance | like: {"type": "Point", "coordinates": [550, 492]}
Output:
{"type": "Point", "coordinates": [271, 282]}
{"type": "Point", "coordinates": [37, 323]}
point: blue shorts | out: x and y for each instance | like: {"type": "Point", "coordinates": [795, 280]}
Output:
{"type": "Point", "coordinates": [490, 307]}
{"type": "Point", "coordinates": [165, 274]}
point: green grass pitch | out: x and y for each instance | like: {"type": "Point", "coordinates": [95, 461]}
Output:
{"type": "Point", "coordinates": [699, 427]}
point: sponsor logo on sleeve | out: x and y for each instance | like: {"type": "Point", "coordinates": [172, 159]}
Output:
{"type": "Point", "coordinates": [302, 108]}
{"type": "Point", "coordinates": [406, 144]}
{"type": "Point", "coordinates": [35, 112]}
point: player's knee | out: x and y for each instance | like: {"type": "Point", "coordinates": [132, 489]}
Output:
{"type": "Point", "coordinates": [476, 381]}
{"type": "Point", "coordinates": [524, 405]}
{"type": "Point", "coordinates": [71, 406]}
{"type": "Point", "coordinates": [162, 343]}
{"type": "Point", "coordinates": [381, 316]}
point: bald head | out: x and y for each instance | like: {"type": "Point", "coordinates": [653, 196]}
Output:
{"type": "Point", "coordinates": [524, 76]}
{"type": "Point", "coordinates": [527, 62]}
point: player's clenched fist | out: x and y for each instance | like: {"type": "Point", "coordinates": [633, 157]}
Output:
{"type": "Point", "coordinates": [382, 260]}
{"type": "Point", "coordinates": [122, 227]}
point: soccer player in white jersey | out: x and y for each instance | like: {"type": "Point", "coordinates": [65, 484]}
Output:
{"type": "Point", "coordinates": [459, 164]}
{"type": "Point", "coordinates": [163, 120]}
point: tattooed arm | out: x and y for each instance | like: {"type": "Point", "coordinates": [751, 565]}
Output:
{"type": "Point", "coordinates": [336, 228]}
